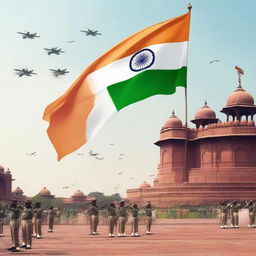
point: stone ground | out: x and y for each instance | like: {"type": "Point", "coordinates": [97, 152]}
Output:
{"type": "Point", "coordinates": [187, 237]}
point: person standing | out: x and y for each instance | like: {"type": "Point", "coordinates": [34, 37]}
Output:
{"type": "Point", "coordinates": [93, 212]}
{"type": "Point", "coordinates": [51, 214]}
{"type": "Point", "coordinates": [148, 212]}
{"type": "Point", "coordinates": [252, 209]}
{"type": "Point", "coordinates": [224, 206]}
{"type": "Point", "coordinates": [14, 213]}
{"type": "Point", "coordinates": [37, 213]}
{"type": "Point", "coordinates": [234, 208]}
{"type": "Point", "coordinates": [26, 225]}
{"type": "Point", "coordinates": [2, 216]}
{"type": "Point", "coordinates": [111, 218]}
{"type": "Point", "coordinates": [135, 219]}
{"type": "Point", "coordinates": [121, 212]}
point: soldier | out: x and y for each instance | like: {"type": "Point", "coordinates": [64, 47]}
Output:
{"type": "Point", "coordinates": [252, 209]}
{"type": "Point", "coordinates": [135, 219]}
{"type": "Point", "coordinates": [111, 218]}
{"type": "Point", "coordinates": [51, 214]}
{"type": "Point", "coordinates": [234, 208]}
{"type": "Point", "coordinates": [148, 211]}
{"type": "Point", "coordinates": [37, 213]}
{"type": "Point", "coordinates": [93, 212]}
{"type": "Point", "coordinates": [26, 225]}
{"type": "Point", "coordinates": [2, 216]}
{"type": "Point", "coordinates": [14, 213]}
{"type": "Point", "coordinates": [224, 206]}
{"type": "Point", "coordinates": [121, 212]}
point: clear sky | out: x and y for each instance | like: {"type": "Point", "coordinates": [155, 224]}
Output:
{"type": "Point", "coordinates": [220, 29]}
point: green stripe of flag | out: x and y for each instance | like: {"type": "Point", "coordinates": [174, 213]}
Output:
{"type": "Point", "coordinates": [146, 84]}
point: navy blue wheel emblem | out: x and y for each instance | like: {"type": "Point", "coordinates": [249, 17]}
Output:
{"type": "Point", "coordinates": [141, 60]}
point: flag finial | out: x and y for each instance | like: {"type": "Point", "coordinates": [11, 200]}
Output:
{"type": "Point", "coordinates": [189, 7]}
{"type": "Point", "coordinates": [239, 72]}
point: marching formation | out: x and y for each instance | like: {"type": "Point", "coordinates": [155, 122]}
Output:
{"type": "Point", "coordinates": [231, 209]}
{"type": "Point", "coordinates": [28, 219]}
{"type": "Point", "coordinates": [118, 216]}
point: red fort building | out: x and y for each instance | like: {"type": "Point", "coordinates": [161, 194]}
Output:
{"type": "Point", "coordinates": [203, 165]}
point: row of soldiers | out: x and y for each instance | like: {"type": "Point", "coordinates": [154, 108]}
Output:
{"type": "Point", "coordinates": [117, 216]}
{"type": "Point", "coordinates": [232, 208]}
{"type": "Point", "coordinates": [29, 219]}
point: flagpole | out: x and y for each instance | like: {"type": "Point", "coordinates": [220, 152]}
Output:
{"type": "Point", "coordinates": [185, 172]}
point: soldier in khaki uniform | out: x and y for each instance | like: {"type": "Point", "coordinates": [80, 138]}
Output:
{"type": "Point", "coordinates": [14, 213]}
{"type": "Point", "coordinates": [148, 211]}
{"type": "Point", "coordinates": [2, 216]}
{"type": "Point", "coordinates": [37, 213]}
{"type": "Point", "coordinates": [51, 217]}
{"type": "Point", "coordinates": [121, 212]}
{"type": "Point", "coordinates": [93, 212]}
{"type": "Point", "coordinates": [135, 219]}
{"type": "Point", "coordinates": [26, 225]}
{"type": "Point", "coordinates": [234, 208]}
{"type": "Point", "coordinates": [224, 207]}
{"type": "Point", "coordinates": [252, 210]}
{"type": "Point", "coordinates": [111, 218]}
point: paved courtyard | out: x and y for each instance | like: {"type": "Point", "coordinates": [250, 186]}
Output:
{"type": "Point", "coordinates": [188, 237]}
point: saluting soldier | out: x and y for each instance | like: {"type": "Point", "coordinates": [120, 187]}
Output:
{"type": "Point", "coordinates": [26, 225]}
{"type": "Point", "coordinates": [135, 219]}
{"type": "Point", "coordinates": [224, 206]}
{"type": "Point", "coordinates": [93, 212]}
{"type": "Point", "coordinates": [111, 208]}
{"type": "Point", "coordinates": [234, 208]}
{"type": "Point", "coordinates": [121, 212]}
{"type": "Point", "coordinates": [51, 217]}
{"type": "Point", "coordinates": [148, 211]}
{"type": "Point", "coordinates": [37, 213]}
{"type": "Point", "coordinates": [2, 216]}
{"type": "Point", "coordinates": [14, 213]}
{"type": "Point", "coordinates": [249, 205]}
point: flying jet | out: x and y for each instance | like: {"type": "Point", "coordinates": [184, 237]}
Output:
{"type": "Point", "coordinates": [25, 72]}
{"type": "Point", "coordinates": [32, 154]}
{"type": "Point", "coordinates": [28, 35]}
{"type": "Point", "coordinates": [111, 144]}
{"type": "Point", "coordinates": [72, 41]}
{"type": "Point", "coordinates": [151, 175]}
{"type": "Point", "coordinates": [120, 173]}
{"type": "Point", "coordinates": [121, 154]}
{"type": "Point", "coordinates": [212, 61]}
{"type": "Point", "coordinates": [92, 154]}
{"type": "Point", "coordinates": [99, 158]}
{"type": "Point", "coordinates": [90, 32]}
{"type": "Point", "coordinates": [119, 158]}
{"type": "Point", "coordinates": [59, 72]}
{"type": "Point", "coordinates": [54, 50]}
{"type": "Point", "coordinates": [80, 154]}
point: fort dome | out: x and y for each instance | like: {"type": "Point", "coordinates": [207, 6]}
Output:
{"type": "Point", "coordinates": [18, 190]}
{"type": "Point", "coordinates": [45, 192]}
{"type": "Point", "coordinates": [205, 113]}
{"type": "Point", "coordinates": [173, 122]}
{"type": "Point", "coordinates": [78, 193]}
{"type": "Point", "coordinates": [145, 185]}
{"type": "Point", "coordinates": [240, 97]}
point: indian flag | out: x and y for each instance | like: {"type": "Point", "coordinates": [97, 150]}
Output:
{"type": "Point", "coordinates": [150, 62]}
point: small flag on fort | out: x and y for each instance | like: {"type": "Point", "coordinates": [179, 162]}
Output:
{"type": "Point", "coordinates": [152, 61]}
{"type": "Point", "coordinates": [239, 70]}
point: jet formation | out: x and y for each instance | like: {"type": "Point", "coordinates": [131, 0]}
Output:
{"type": "Point", "coordinates": [24, 72]}
{"type": "Point", "coordinates": [54, 50]}
{"type": "Point", "coordinates": [28, 35]}
{"type": "Point", "coordinates": [90, 32]}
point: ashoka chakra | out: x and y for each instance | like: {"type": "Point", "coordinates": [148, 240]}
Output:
{"type": "Point", "coordinates": [142, 59]}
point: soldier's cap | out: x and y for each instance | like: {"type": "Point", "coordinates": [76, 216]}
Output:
{"type": "Point", "coordinates": [28, 202]}
{"type": "Point", "coordinates": [122, 201]}
{"type": "Point", "coordinates": [94, 200]}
